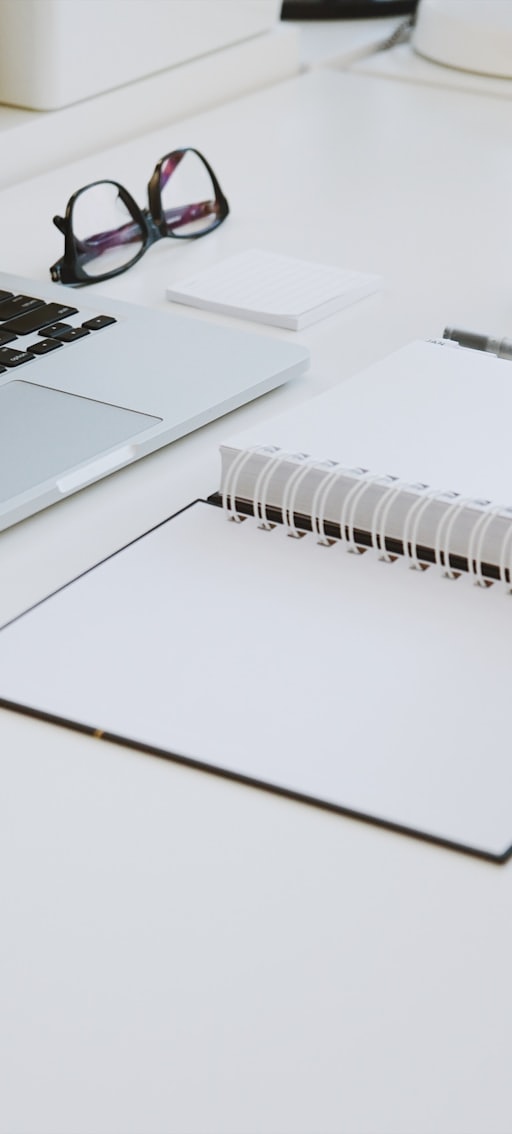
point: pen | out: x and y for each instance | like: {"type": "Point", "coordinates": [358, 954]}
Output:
{"type": "Point", "coordinates": [500, 347]}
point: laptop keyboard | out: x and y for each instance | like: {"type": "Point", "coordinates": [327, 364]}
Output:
{"type": "Point", "coordinates": [23, 316]}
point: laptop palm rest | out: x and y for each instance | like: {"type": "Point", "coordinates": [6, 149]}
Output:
{"type": "Point", "coordinates": [46, 433]}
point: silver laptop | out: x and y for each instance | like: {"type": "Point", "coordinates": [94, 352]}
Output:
{"type": "Point", "coordinates": [88, 386]}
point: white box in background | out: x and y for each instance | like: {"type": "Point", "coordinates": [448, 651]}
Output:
{"type": "Point", "coordinates": [57, 52]}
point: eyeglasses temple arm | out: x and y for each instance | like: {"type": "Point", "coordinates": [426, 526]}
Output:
{"type": "Point", "coordinates": [168, 167]}
{"type": "Point", "coordinates": [100, 242]}
{"type": "Point", "coordinates": [175, 218]}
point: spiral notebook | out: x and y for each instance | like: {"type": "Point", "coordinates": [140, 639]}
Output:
{"type": "Point", "coordinates": [337, 631]}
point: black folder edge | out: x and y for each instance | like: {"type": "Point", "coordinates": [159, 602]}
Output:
{"type": "Point", "coordinates": [125, 742]}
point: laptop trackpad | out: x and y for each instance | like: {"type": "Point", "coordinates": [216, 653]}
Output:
{"type": "Point", "coordinates": [44, 433]}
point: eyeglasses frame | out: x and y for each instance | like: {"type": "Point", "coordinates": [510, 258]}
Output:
{"type": "Point", "coordinates": [67, 269]}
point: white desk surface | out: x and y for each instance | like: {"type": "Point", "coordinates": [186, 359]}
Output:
{"type": "Point", "coordinates": [183, 954]}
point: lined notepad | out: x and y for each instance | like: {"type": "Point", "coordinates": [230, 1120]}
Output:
{"type": "Point", "coordinates": [270, 288]}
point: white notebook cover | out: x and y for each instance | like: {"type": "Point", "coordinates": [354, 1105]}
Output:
{"type": "Point", "coordinates": [341, 680]}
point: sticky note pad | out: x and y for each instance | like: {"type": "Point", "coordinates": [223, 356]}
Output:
{"type": "Point", "coordinates": [267, 287]}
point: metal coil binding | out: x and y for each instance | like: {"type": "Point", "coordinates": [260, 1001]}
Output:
{"type": "Point", "coordinates": [363, 479]}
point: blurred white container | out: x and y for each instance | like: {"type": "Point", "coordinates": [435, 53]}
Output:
{"type": "Point", "coordinates": [57, 52]}
{"type": "Point", "coordinates": [472, 35]}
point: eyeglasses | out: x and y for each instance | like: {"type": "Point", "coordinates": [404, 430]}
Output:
{"type": "Point", "coordinates": [105, 232]}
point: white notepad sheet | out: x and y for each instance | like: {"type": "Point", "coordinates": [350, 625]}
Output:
{"type": "Point", "coordinates": [336, 676]}
{"type": "Point", "coordinates": [267, 287]}
{"type": "Point", "coordinates": [433, 413]}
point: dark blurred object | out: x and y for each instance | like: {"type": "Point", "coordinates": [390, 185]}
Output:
{"type": "Point", "coordinates": [345, 9]}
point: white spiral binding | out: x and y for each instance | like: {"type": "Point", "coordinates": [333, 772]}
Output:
{"type": "Point", "coordinates": [347, 514]}
{"type": "Point", "coordinates": [261, 487]}
{"type": "Point", "coordinates": [505, 548]}
{"type": "Point", "coordinates": [290, 495]}
{"type": "Point", "coordinates": [382, 508]}
{"type": "Point", "coordinates": [364, 479]}
{"type": "Point", "coordinates": [229, 495]}
{"type": "Point", "coordinates": [477, 536]}
{"type": "Point", "coordinates": [263, 482]}
{"type": "Point", "coordinates": [443, 532]}
{"type": "Point", "coordinates": [413, 517]}
{"type": "Point", "coordinates": [333, 473]}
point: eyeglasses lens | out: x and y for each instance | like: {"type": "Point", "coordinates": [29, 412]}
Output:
{"type": "Point", "coordinates": [107, 236]}
{"type": "Point", "coordinates": [188, 198]}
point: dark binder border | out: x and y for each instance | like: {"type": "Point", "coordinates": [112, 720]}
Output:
{"type": "Point", "coordinates": [203, 766]}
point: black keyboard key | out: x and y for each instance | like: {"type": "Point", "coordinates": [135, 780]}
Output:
{"type": "Point", "coordinates": [72, 334]}
{"type": "Point", "coordinates": [98, 322]}
{"type": "Point", "coordinates": [9, 357]}
{"type": "Point", "coordinates": [44, 346]}
{"type": "Point", "coordinates": [6, 337]}
{"type": "Point", "coordinates": [18, 305]}
{"type": "Point", "coordinates": [3, 369]}
{"type": "Point", "coordinates": [5, 295]}
{"type": "Point", "coordinates": [55, 329]}
{"type": "Point", "coordinates": [39, 317]}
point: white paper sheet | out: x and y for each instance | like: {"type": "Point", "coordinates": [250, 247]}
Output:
{"type": "Point", "coordinates": [433, 413]}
